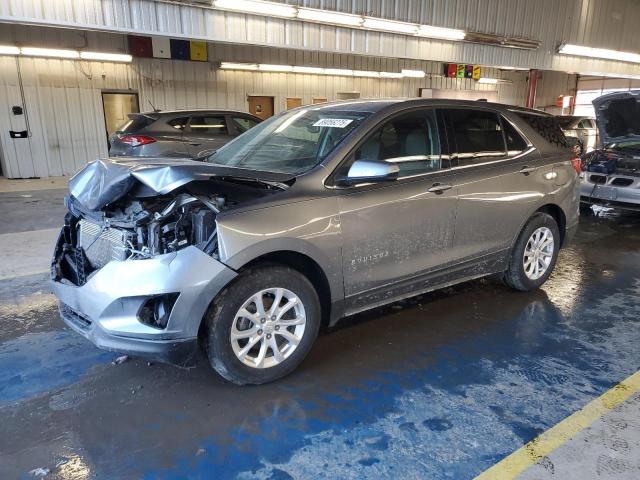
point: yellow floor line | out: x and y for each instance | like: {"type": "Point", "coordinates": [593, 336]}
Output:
{"type": "Point", "coordinates": [529, 454]}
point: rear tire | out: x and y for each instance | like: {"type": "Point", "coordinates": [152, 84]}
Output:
{"type": "Point", "coordinates": [533, 257]}
{"type": "Point", "coordinates": [251, 344]}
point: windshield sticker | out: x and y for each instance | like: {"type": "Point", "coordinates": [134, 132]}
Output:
{"type": "Point", "coordinates": [333, 122]}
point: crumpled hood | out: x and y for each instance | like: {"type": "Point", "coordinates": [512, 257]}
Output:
{"type": "Point", "coordinates": [618, 116]}
{"type": "Point", "coordinates": [106, 180]}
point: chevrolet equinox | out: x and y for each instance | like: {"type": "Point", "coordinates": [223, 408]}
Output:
{"type": "Point", "coordinates": [313, 215]}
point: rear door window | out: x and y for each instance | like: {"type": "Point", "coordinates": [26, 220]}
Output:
{"type": "Point", "coordinates": [410, 141]}
{"type": "Point", "coordinates": [476, 136]}
{"type": "Point", "coordinates": [209, 125]}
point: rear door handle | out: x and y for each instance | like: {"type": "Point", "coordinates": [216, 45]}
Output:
{"type": "Point", "coordinates": [193, 144]}
{"type": "Point", "coordinates": [527, 170]}
{"type": "Point", "coordinates": [439, 188]}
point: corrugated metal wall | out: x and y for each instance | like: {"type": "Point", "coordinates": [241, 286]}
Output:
{"type": "Point", "coordinates": [63, 97]}
{"type": "Point", "coordinates": [601, 23]}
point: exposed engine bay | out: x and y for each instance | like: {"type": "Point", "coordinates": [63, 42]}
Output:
{"type": "Point", "coordinates": [141, 224]}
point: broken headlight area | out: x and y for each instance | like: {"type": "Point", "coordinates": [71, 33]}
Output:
{"type": "Point", "coordinates": [142, 229]}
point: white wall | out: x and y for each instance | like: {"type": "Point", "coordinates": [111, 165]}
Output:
{"type": "Point", "coordinates": [64, 107]}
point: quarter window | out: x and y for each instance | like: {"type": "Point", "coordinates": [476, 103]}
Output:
{"type": "Point", "coordinates": [410, 141]}
{"type": "Point", "coordinates": [179, 123]}
{"type": "Point", "coordinates": [515, 142]}
{"type": "Point", "coordinates": [243, 123]}
{"type": "Point", "coordinates": [209, 125]}
{"type": "Point", "coordinates": [477, 135]}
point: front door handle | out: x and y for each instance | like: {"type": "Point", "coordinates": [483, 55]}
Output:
{"type": "Point", "coordinates": [527, 170]}
{"type": "Point", "coordinates": [194, 144]}
{"type": "Point", "coordinates": [439, 188]}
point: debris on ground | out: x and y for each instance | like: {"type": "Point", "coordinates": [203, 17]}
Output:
{"type": "Point", "coordinates": [120, 360]}
{"type": "Point", "coordinates": [39, 472]}
{"type": "Point", "coordinates": [200, 451]}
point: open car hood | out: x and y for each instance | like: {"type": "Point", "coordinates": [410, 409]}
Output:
{"type": "Point", "coordinates": [618, 116]}
{"type": "Point", "coordinates": [105, 181]}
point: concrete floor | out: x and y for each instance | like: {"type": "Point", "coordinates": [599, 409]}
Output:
{"type": "Point", "coordinates": [441, 386]}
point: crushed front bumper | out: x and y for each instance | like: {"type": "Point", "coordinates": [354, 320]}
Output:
{"type": "Point", "coordinates": [105, 309]}
{"type": "Point", "coordinates": [609, 194]}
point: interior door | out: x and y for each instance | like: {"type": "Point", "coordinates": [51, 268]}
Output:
{"type": "Point", "coordinates": [206, 133]}
{"type": "Point", "coordinates": [293, 102]}
{"type": "Point", "coordinates": [261, 107]}
{"type": "Point", "coordinates": [117, 107]}
{"type": "Point", "coordinates": [393, 232]}
{"type": "Point", "coordinates": [500, 178]}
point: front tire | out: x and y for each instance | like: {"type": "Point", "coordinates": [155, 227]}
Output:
{"type": "Point", "coordinates": [534, 254]}
{"type": "Point", "coordinates": [263, 325]}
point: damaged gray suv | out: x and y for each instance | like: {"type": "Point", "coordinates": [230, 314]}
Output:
{"type": "Point", "coordinates": [318, 213]}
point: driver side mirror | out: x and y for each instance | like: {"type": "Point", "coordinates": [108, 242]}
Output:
{"type": "Point", "coordinates": [370, 171]}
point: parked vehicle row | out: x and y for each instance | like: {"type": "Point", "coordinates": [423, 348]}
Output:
{"type": "Point", "coordinates": [179, 133]}
{"type": "Point", "coordinates": [317, 213]}
{"type": "Point", "coordinates": [580, 131]}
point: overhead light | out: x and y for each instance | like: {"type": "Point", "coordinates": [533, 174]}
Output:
{"type": "Point", "coordinates": [9, 50]}
{"type": "Point", "coordinates": [324, 16]}
{"type": "Point", "coordinates": [49, 52]}
{"type": "Point", "coordinates": [514, 69]}
{"type": "Point", "coordinates": [238, 66]}
{"type": "Point", "coordinates": [257, 7]}
{"type": "Point", "coordinates": [413, 73]}
{"type": "Point", "coordinates": [440, 32]}
{"type": "Point", "coordinates": [107, 57]}
{"type": "Point", "coordinates": [604, 53]}
{"type": "Point", "coordinates": [390, 26]}
{"type": "Point", "coordinates": [275, 68]}
{"type": "Point", "coordinates": [488, 81]}
{"type": "Point", "coordinates": [364, 73]}
{"type": "Point", "coordinates": [391, 75]}
{"type": "Point", "coordinates": [338, 71]}
{"type": "Point", "coordinates": [316, 70]}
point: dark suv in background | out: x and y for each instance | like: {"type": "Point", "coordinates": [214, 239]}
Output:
{"type": "Point", "coordinates": [178, 133]}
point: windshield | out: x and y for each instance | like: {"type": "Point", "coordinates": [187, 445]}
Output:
{"type": "Point", "coordinates": [292, 143]}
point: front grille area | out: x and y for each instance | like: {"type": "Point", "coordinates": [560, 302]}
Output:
{"type": "Point", "coordinates": [79, 320]}
{"type": "Point", "coordinates": [102, 245]}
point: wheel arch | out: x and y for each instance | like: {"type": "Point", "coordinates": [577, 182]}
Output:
{"type": "Point", "coordinates": [556, 212]}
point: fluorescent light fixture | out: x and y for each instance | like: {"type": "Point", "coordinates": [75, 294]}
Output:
{"type": "Point", "coordinates": [488, 81]}
{"type": "Point", "coordinates": [49, 52]}
{"type": "Point", "coordinates": [9, 50]}
{"type": "Point", "coordinates": [275, 68]}
{"type": "Point", "coordinates": [440, 32]}
{"type": "Point", "coordinates": [238, 66]}
{"type": "Point", "coordinates": [257, 7]}
{"type": "Point", "coordinates": [391, 75]}
{"type": "Point", "coordinates": [106, 57]}
{"type": "Point", "coordinates": [338, 71]}
{"type": "Point", "coordinates": [390, 26]}
{"type": "Point", "coordinates": [325, 16]}
{"type": "Point", "coordinates": [364, 73]}
{"type": "Point", "coordinates": [413, 73]}
{"type": "Point", "coordinates": [316, 70]}
{"type": "Point", "coordinates": [604, 53]}
{"type": "Point", "coordinates": [514, 69]}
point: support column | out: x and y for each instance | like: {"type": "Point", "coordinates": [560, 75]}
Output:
{"type": "Point", "coordinates": [532, 84]}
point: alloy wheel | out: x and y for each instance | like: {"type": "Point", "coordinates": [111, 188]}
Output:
{"type": "Point", "coordinates": [538, 253]}
{"type": "Point", "coordinates": [268, 328]}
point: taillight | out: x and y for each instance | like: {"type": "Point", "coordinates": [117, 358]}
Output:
{"type": "Point", "coordinates": [577, 165]}
{"type": "Point", "coordinates": [136, 140]}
